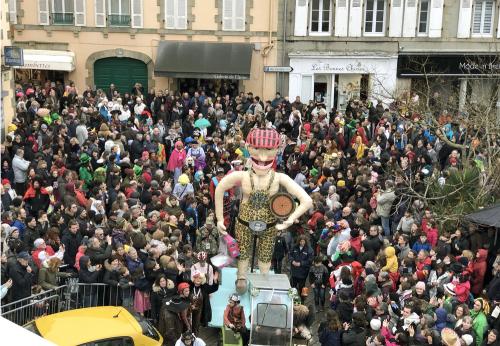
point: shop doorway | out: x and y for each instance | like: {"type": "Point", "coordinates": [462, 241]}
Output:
{"type": "Point", "coordinates": [364, 87]}
{"type": "Point", "coordinates": [322, 89]}
{"type": "Point", "coordinates": [212, 87]}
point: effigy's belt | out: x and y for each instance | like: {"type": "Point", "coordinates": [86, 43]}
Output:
{"type": "Point", "coordinates": [257, 227]}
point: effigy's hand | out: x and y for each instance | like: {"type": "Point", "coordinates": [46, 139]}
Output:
{"type": "Point", "coordinates": [221, 228]}
{"type": "Point", "coordinates": [284, 225]}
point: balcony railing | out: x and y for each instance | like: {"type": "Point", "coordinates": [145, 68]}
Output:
{"type": "Point", "coordinates": [63, 18]}
{"type": "Point", "coordinates": [119, 20]}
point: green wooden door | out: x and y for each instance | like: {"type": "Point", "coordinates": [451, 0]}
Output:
{"type": "Point", "coordinates": [122, 72]}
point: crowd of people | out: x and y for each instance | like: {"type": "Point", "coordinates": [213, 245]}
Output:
{"type": "Point", "coordinates": [117, 187]}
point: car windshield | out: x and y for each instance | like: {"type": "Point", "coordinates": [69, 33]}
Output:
{"type": "Point", "coordinates": [272, 315]}
{"type": "Point", "coordinates": [146, 326]}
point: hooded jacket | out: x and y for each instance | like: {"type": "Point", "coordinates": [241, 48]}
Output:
{"type": "Point", "coordinates": [391, 260]}
{"type": "Point", "coordinates": [160, 295]}
{"type": "Point", "coordinates": [478, 272]}
{"type": "Point", "coordinates": [441, 319]}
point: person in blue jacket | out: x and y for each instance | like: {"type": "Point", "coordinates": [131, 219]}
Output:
{"type": "Point", "coordinates": [421, 244]}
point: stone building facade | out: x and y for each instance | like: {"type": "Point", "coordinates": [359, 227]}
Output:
{"type": "Point", "coordinates": [375, 49]}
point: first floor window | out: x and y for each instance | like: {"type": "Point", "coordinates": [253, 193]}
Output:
{"type": "Point", "coordinates": [62, 12]}
{"type": "Point", "coordinates": [176, 14]}
{"type": "Point", "coordinates": [423, 17]}
{"type": "Point", "coordinates": [374, 16]}
{"type": "Point", "coordinates": [233, 15]}
{"type": "Point", "coordinates": [482, 20]}
{"type": "Point", "coordinates": [320, 16]}
{"type": "Point", "coordinates": [119, 12]}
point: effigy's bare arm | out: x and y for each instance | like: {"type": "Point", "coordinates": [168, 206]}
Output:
{"type": "Point", "coordinates": [228, 182]}
{"type": "Point", "coordinates": [298, 192]}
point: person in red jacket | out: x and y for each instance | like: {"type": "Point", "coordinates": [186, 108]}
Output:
{"type": "Point", "coordinates": [478, 271]}
{"type": "Point", "coordinates": [43, 252]}
{"type": "Point", "coordinates": [423, 265]}
{"type": "Point", "coordinates": [462, 288]}
{"type": "Point", "coordinates": [355, 241]}
{"type": "Point", "coordinates": [430, 229]}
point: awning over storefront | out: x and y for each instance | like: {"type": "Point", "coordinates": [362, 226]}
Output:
{"type": "Point", "coordinates": [56, 60]}
{"type": "Point", "coordinates": [203, 60]}
{"type": "Point", "coordinates": [449, 65]}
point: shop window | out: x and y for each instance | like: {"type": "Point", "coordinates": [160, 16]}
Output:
{"type": "Point", "coordinates": [375, 17]}
{"type": "Point", "coordinates": [321, 17]}
{"type": "Point", "coordinates": [176, 14]}
{"type": "Point", "coordinates": [233, 15]}
{"type": "Point", "coordinates": [119, 12]}
{"type": "Point", "coordinates": [482, 19]}
{"type": "Point", "coordinates": [423, 17]}
{"type": "Point", "coordinates": [62, 12]}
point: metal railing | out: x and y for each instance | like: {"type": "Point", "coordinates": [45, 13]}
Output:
{"type": "Point", "coordinates": [66, 18]}
{"type": "Point", "coordinates": [119, 20]}
{"type": "Point", "coordinates": [72, 295]}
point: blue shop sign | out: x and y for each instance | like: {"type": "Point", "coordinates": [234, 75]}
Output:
{"type": "Point", "coordinates": [13, 56]}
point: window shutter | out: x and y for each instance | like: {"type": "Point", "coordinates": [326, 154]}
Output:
{"type": "Point", "coordinates": [170, 14]}
{"type": "Point", "coordinates": [410, 19]}
{"type": "Point", "coordinates": [13, 11]}
{"type": "Point", "coordinates": [43, 12]}
{"type": "Point", "coordinates": [80, 13]}
{"type": "Point", "coordinates": [137, 14]}
{"type": "Point", "coordinates": [239, 18]}
{"type": "Point", "coordinates": [181, 14]}
{"type": "Point", "coordinates": [435, 18]}
{"type": "Point", "coordinates": [488, 17]}
{"type": "Point", "coordinates": [355, 18]}
{"type": "Point", "coordinates": [300, 24]}
{"type": "Point", "coordinates": [396, 19]}
{"type": "Point", "coordinates": [464, 19]}
{"type": "Point", "coordinates": [100, 13]}
{"type": "Point", "coordinates": [227, 15]}
{"type": "Point", "coordinates": [341, 18]}
{"type": "Point", "coordinates": [476, 20]}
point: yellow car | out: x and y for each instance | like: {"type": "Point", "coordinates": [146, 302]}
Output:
{"type": "Point", "coordinates": [99, 326]}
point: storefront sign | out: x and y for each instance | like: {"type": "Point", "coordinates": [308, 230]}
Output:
{"type": "Point", "coordinates": [448, 65]}
{"type": "Point", "coordinates": [351, 67]}
{"type": "Point", "coordinates": [38, 66]}
{"type": "Point", "coordinates": [13, 56]}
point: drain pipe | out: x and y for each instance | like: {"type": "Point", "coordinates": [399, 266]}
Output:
{"type": "Point", "coordinates": [283, 52]}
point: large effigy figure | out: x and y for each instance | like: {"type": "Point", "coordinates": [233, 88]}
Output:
{"type": "Point", "coordinates": [259, 185]}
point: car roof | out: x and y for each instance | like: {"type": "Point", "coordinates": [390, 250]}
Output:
{"type": "Point", "coordinates": [79, 326]}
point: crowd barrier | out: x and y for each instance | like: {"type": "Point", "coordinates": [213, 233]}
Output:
{"type": "Point", "coordinates": [72, 295]}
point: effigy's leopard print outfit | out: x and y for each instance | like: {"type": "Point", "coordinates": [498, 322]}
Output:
{"type": "Point", "coordinates": [256, 208]}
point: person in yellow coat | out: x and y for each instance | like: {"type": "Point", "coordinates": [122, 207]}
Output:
{"type": "Point", "coordinates": [359, 147]}
{"type": "Point", "coordinates": [391, 265]}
